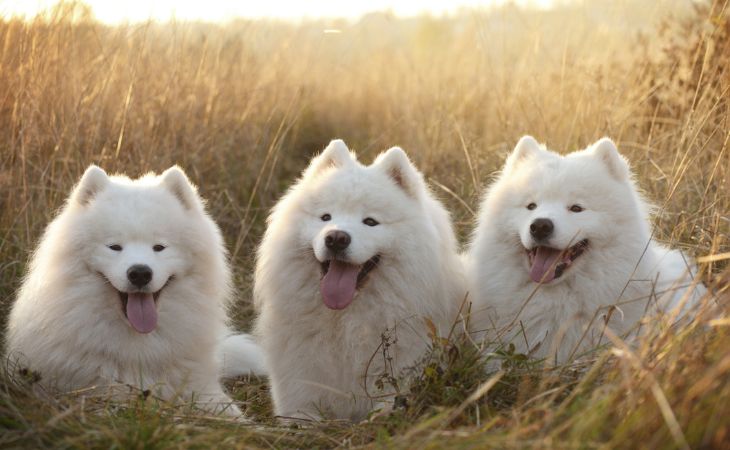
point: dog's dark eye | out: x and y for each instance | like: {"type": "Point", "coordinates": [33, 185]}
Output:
{"type": "Point", "coordinates": [115, 247]}
{"type": "Point", "coordinates": [369, 221]}
{"type": "Point", "coordinates": [576, 208]}
{"type": "Point", "coordinates": [326, 217]}
{"type": "Point", "coordinates": [158, 247]}
{"type": "Point", "coordinates": [531, 206]}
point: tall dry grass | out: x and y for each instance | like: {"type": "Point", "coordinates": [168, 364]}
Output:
{"type": "Point", "coordinates": [241, 107]}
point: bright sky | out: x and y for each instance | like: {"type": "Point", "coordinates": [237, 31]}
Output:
{"type": "Point", "coordinates": [114, 11]}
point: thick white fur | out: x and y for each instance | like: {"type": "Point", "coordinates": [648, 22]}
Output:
{"type": "Point", "coordinates": [68, 322]}
{"type": "Point", "coordinates": [324, 362]}
{"type": "Point", "coordinates": [240, 355]}
{"type": "Point", "coordinates": [623, 266]}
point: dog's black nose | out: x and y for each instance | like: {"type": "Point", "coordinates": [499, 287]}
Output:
{"type": "Point", "coordinates": [337, 240]}
{"type": "Point", "coordinates": [139, 275]}
{"type": "Point", "coordinates": [541, 229]}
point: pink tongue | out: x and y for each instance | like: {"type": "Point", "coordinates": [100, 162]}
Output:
{"type": "Point", "coordinates": [338, 284]}
{"type": "Point", "coordinates": [544, 264]}
{"type": "Point", "coordinates": [142, 312]}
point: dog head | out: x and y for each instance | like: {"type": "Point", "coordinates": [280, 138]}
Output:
{"type": "Point", "coordinates": [137, 236]}
{"type": "Point", "coordinates": [354, 218]}
{"type": "Point", "coordinates": [566, 210]}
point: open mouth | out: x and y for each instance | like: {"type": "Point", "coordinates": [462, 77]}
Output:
{"type": "Point", "coordinates": [341, 280]}
{"type": "Point", "coordinates": [140, 309]}
{"type": "Point", "coordinates": [124, 298]}
{"type": "Point", "coordinates": [547, 264]}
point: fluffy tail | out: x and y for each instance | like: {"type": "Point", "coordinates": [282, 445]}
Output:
{"type": "Point", "coordinates": [241, 356]}
{"type": "Point", "coordinates": [676, 275]}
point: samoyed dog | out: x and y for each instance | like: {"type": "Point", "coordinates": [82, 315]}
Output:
{"type": "Point", "coordinates": [355, 261]}
{"type": "Point", "coordinates": [129, 286]}
{"type": "Point", "coordinates": [563, 250]}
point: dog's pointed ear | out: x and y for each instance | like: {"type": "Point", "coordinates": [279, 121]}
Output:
{"type": "Point", "coordinates": [92, 182]}
{"type": "Point", "coordinates": [607, 152]}
{"type": "Point", "coordinates": [395, 163]}
{"type": "Point", "coordinates": [336, 154]}
{"type": "Point", "coordinates": [527, 148]}
{"type": "Point", "coordinates": [175, 180]}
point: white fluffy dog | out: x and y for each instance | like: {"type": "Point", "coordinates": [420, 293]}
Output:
{"type": "Point", "coordinates": [353, 256]}
{"type": "Point", "coordinates": [563, 249]}
{"type": "Point", "coordinates": [129, 285]}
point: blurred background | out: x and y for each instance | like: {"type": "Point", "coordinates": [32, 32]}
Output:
{"type": "Point", "coordinates": [242, 94]}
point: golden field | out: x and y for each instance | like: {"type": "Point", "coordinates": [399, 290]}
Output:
{"type": "Point", "coordinates": [243, 106]}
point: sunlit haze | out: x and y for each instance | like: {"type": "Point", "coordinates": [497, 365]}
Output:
{"type": "Point", "coordinates": [110, 11]}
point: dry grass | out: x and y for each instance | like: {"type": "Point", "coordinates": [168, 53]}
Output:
{"type": "Point", "coordinates": [243, 106]}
